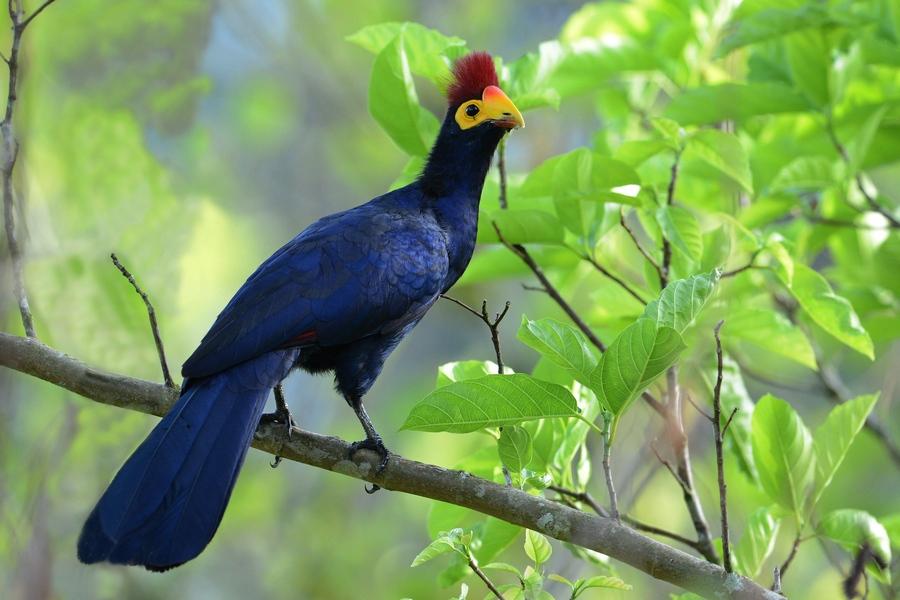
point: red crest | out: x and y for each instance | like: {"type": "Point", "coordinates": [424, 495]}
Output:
{"type": "Point", "coordinates": [471, 74]}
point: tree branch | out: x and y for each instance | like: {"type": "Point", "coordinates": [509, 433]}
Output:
{"type": "Point", "coordinates": [622, 283]}
{"type": "Point", "coordinates": [720, 457]}
{"type": "Point", "coordinates": [154, 326]}
{"type": "Point", "coordinates": [402, 475]}
{"type": "Point", "coordinates": [493, 326]}
{"type": "Point", "coordinates": [638, 245]}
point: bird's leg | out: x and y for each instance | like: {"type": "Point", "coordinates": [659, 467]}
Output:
{"type": "Point", "coordinates": [372, 442]}
{"type": "Point", "coordinates": [281, 415]}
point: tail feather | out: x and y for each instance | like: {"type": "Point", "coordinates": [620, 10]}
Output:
{"type": "Point", "coordinates": [165, 504]}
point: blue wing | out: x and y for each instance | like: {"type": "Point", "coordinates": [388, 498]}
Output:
{"type": "Point", "coordinates": [369, 270]}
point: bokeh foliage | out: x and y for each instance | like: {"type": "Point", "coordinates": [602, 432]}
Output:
{"type": "Point", "coordinates": [192, 138]}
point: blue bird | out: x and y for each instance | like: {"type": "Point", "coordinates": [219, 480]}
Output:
{"type": "Point", "coordinates": [337, 298]}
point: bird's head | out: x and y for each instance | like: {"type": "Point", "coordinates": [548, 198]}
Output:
{"type": "Point", "coordinates": [475, 98]}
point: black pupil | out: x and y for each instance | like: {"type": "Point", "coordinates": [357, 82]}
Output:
{"type": "Point", "coordinates": [471, 110]}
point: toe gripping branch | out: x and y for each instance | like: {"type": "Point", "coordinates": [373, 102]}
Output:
{"type": "Point", "coordinates": [282, 415]}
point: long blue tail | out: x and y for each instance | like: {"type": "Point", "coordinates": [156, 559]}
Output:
{"type": "Point", "coordinates": [165, 503]}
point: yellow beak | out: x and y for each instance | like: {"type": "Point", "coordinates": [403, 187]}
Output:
{"type": "Point", "coordinates": [499, 109]}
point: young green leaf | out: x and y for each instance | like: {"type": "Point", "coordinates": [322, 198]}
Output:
{"type": "Point", "coordinates": [393, 101]}
{"type": "Point", "coordinates": [724, 152]}
{"type": "Point", "coordinates": [635, 358]}
{"type": "Point", "coordinates": [682, 229]}
{"type": "Point", "coordinates": [502, 566]}
{"type": "Point", "coordinates": [561, 343]}
{"type": "Point", "coordinates": [429, 51]}
{"type": "Point", "coordinates": [783, 453]}
{"type": "Point", "coordinates": [853, 528]}
{"type": "Point", "coordinates": [757, 541]}
{"type": "Point", "coordinates": [834, 437]}
{"type": "Point", "coordinates": [492, 401]}
{"type": "Point", "coordinates": [537, 547]}
{"type": "Point", "coordinates": [772, 331]}
{"type": "Point", "coordinates": [604, 581]}
{"type": "Point", "coordinates": [522, 226]}
{"type": "Point", "coordinates": [446, 542]}
{"type": "Point", "coordinates": [831, 312]}
{"type": "Point", "coordinates": [514, 448]}
{"type": "Point", "coordinates": [681, 301]}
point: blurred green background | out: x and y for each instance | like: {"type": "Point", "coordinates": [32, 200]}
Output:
{"type": "Point", "coordinates": [193, 138]}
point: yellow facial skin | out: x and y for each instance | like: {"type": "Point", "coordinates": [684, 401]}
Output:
{"type": "Point", "coordinates": [494, 107]}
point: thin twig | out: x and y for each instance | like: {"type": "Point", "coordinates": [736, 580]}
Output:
{"type": "Point", "coordinates": [746, 267]}
{"type": "Point", "coordinates": [523, 254]}
{"type": "Point", "coordinates": [679, 442]}
{"type": "Point", "coordinates": [720, 457]}
{"type": "Point", "coordinates": [24, 24]}
{"type": "Point", "coordinates": [666, 245]}
{"type": "Point", "coordinates": [860, 184]}
{"type": "Point", "coordinates": [622, 283]}
{"type": "Point", "coordinates": [607, 468]}
{"type": "Point", "coordinates": [474, 566]}
{"type": "Point", "coordinates": [698, 408]}
{"type": "Point", "coordinates": [790, 558]}
{"type": "Point", "coordinates": [501, 167]}
{"type": "Point", "coordinates": [638, 245]}
{"type": "Point", "coordinates": [728, 421]}
{"type": "Point", "coordinates": [493, 325]}
{"type": "Point", "coordinates": [154, 326]}
{"type": "Point", "coordinates": [684, 486]}
{"type": "Point", "coordinates": [586, 498]}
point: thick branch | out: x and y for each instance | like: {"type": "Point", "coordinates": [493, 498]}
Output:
{"type": "Point", "coordinates": [403, 475]}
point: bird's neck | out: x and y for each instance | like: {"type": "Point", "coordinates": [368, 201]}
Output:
{"type": "Point", "coordinates": [459, 161]}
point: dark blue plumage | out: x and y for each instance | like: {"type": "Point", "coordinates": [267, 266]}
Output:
{"type": "Point", "coordinates": [338, 297]}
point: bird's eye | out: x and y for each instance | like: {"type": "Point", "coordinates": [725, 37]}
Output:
{"type": "Point", "coordinates": [471, 110]}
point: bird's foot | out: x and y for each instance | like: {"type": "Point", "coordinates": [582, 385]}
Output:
{"type": "Point", "coordinates": [377, 446]}
{"type": "Point", "coordinates": [281, 416]}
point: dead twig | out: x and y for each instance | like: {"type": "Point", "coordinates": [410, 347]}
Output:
{"type": "Point", "coordinates": [493, 325]}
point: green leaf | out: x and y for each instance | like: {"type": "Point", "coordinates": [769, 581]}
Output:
{"type": "Point", "coordinates": [429, 52]}
{"type": "Point", "coordinates": [537, 547]}
{"type": "Point", "coordinates": [711, 104]}
{"type": "Point", "coordinates": [859, 146]}
{"type": "Point", "coordinates": [522, 226]}
{"type": "Point", "coordinates": [394, 104]}
{"type": "Point", "coordinates": [733, 396]}
{"type": "Point", "coordinates": [809, 58]}
{"type": "Point", "coordinates": [635, 358]}
{"type": "Point", "coordinates": [670, 131]}
{"type": "Point", "coordinates": [852, 528]}
{"type": "Point", "coordinates": [783, 453]}
{"type": "Point", "coordinates": [636, 152]}
{"type": "Point", "coordinates": [834, 437]}
{"type": "Point", "coordinates": [831, 312]}
{"type": "Point", "coordinates": [681, 301]}
{"type": "Point", "coordinates": [502, 566]}
{"type": "Point", "coordinates": [605, 581]}
{"type": "Point", "coordinates": [446, 542]}
{"type": "Point", "coordinates": [561, 343]}
{"type": "Point", "coordinates": [772, 331]}
{"type": "Point", "coordinates": [806, 173]}
{"type": "Point", "coordinates": [514, 448]}
{"type": "Point", "coordinates": [492, 401]}
{"type": "Point", "coordinates": [681, 228]}
{"type": "Point", "coordinates": [745, 29]}
{"type": "Point", "coordinates": [757, 541]}
{"type": "Point", "coordinates": [724, 152]}
{"type": "Point", "coordinates": [465, 369]}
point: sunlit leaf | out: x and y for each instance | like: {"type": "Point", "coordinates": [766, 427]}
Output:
{"type": "Point", "coordinates": [492, 401]}
{"type": "Point", "coordinates": [537, 547]}
{"type": "Point", "coordinates": [783, 453]}
{"type": "Point", "coordinates": [561, 343]}
{"type": "Point", "coordinates": [514, 448]}
{"type": "Point", "coordinates": [757, 541]}
{"type": "Point", "coordinates": [834, 437]}
{"type": "Point", "coordinates": [724, 152]}
{"type": "Point", "coordinates": [681, 301]}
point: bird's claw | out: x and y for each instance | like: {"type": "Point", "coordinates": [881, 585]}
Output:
{"type": "Point", "coordinates": [376, 446]}
{"type": "Point", "coordinates": [281, 416]}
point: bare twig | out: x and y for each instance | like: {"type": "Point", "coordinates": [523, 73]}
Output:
{"type": "Point", "coordinates": [493, 325]}
{"type": "Point", "coordinates": [679, 442]}
{"type": "Point", "coordinates": [790, 558]}
{"type": "Point", "coordinates": [728, 421]}
{"type": "Point", "coordinates": [860, 184]}
{"type": "Point", "coordinates": [621, 282]}
{"type": "Point", "coordinates": [720, 457]}
{"type": "Point", "coordinates": [666, 245]}
{"type": "Point", "coordinates": [40, 9]}
{"type": "Point", "coordinates": [154, 326]}
{"type": "Point", "coordinates": [638, 245]}
{"type": "Point", "coordinates": [586, 498]}
{"type": "Point", "coordinates": [402, 475]}
{"type": "Point", "coordinates": [607, 468]}
{"type": "Point", "coordinates": [501, 167]}
{"type": "Point", "coordinates": [477, 570]}
{"type": "Point", "coordinates": [10, 153]}
{"type": "Point", "coordinates": [522, 252]}
{"type": "Point", "coordinates": [698, 408]}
